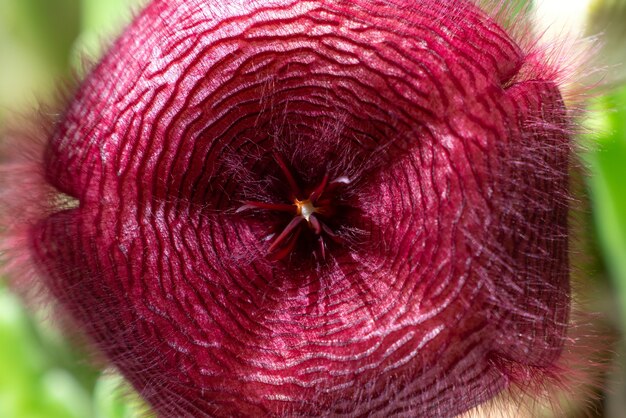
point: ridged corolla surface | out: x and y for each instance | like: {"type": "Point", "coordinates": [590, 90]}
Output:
{"type": "Point", "coordinates": [312, 208]}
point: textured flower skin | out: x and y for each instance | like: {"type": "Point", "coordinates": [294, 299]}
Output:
{"type": "Point", "coordinates": [441, 278]}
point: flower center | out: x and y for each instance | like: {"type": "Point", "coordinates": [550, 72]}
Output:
{"type": "Point", "coordinates": [315, 210]}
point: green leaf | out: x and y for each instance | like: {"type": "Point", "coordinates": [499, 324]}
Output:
{"type": "Point", "coordinates": [114, 399]}
{"type": "Point", "coordinates": [607, 163]}
{"type": "Point", "coordinates": [101, 21]}
{"type": "Point", "coordinates": [49, 27]}
{"type": "Point", "coordinates": [30, 385]}
{"type": "Point", "coordinates": [36, 37]}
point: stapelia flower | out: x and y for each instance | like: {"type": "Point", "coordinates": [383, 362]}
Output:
{"type": "Point", "coordinates": [313, 208]}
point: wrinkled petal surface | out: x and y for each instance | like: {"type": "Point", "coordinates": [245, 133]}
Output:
{"type": "Point", "coordinates": [447, 278]}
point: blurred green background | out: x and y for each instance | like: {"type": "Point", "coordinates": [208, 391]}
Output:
{"type": "Point", "coordinates": [46, 42]}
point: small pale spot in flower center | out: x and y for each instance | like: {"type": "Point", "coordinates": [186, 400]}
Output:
{"type": "Point", "coordinates": [305, 208]}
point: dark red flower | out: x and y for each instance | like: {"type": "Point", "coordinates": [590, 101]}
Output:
{"type": "Point", "coordinates": [314, 208]}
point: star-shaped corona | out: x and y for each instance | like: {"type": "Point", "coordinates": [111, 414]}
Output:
{"type": "Point", "coordinates": [307, 210]}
